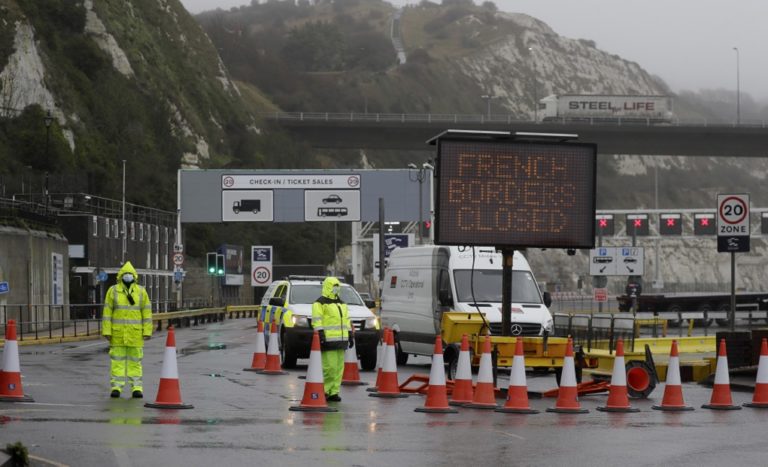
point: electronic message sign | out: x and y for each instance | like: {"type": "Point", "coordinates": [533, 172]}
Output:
{"type": "Point", "coordinates": [512, 193]}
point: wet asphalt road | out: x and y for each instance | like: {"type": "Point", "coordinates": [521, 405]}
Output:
{"type": "Point", "coordinates": [241, 418]}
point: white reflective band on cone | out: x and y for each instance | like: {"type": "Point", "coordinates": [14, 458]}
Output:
{"type": "Point", "coordinates": [11, 357]}
{"type": "Point", "coordinates": [762, 370]}
{"type": "Point", "coordinates": [315, 372]}
{"type": "Point", "coordinates": [721, 373]}
{"type": "Point", "coordinates": [673, 371]}
{"type": "Point", "coordinates": [517, 378]}
{"type": "Point", "coordinates": [437, 372]}
{"type": "Point", "coordinates": [485, 374]}
{"type": "Point", "coordinates": [619, 377]}
{"type": "Point", "coordinates": [169, 371]}
{"type": "Point", "coordinates": [568, 376]}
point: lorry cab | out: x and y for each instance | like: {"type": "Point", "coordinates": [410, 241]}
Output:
{"type": "Point", "coordinates": [423, 282]}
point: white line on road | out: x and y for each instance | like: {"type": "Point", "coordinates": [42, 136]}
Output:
{"type": "Point", "coordinates": [511, 435]}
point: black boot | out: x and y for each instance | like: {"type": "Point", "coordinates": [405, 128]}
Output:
{"type": "Point", "coordinates": [115, 393]}
{"type": "Point", "coordinates": [138, 394]}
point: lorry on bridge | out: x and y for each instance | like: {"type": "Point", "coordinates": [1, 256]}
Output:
{"type": "Point", "coordinates": [590, 108]}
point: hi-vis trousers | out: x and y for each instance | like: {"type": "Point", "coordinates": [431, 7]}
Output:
{"type": "Point", "coordinates": [333, 370]}
{"type": "Point", "coordinates": [126, 367]}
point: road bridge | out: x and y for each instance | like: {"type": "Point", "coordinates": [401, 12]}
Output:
{"type": "Point", "coordinates": [411, 131]}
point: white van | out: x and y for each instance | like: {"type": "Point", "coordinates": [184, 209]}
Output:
{"type": "Point", "coordinates": [423, 282]}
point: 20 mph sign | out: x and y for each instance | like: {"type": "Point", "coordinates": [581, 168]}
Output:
{"type": "Point", "coordinates": [733, 223]}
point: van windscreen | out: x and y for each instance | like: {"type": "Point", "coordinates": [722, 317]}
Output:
{"type": "Point", "coordinates": [487, 285]}
{"type": "Point", "coordinates": [308, 293]}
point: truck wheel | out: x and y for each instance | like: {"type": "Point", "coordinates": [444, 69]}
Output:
{"type": "Point", "coordinates": [451, 355]}
{"type": "Point", "coordinates": [704, 322]}
{"type": "Point", "coordinates": [368, 360]}
{"type": "Point", "coordinates": [237, 210]}
{"type": "Point", "coordinates": [673, 322]}
{"type": "Point", "coordinates": [724, 322]}
{"type": "Point", "coordinates": [400, 357]}
{"type": "Point", "coordinates": [287, 355]}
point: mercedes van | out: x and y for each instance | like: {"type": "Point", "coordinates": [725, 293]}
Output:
{"type": "Point", "coordinates": [423, 282]}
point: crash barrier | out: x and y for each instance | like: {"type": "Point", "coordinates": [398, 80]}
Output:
{"type": "Point", "coordinates": [61, 329]}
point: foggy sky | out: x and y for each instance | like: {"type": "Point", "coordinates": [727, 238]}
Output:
{"type": "Point", "coordinates": [688, 43]}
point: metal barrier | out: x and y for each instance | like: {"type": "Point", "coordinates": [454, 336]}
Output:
{"type": "Point", "coordinates": [596, 330]}
{"type": "Point", "coordinates": [33, 322]}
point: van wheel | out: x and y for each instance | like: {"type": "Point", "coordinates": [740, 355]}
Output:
{"type": "Point", "coordinates": [368, 360]}
{"type": "Point", "coordinates": [724, 323]}
{"type": "Point", "coordinates": [288, 356]}
{"type": "Point", "coordinates": [674, 323]}
{"type": "Point", "coordinates": [402, 358]}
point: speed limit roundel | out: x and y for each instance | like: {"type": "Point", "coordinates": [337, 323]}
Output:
{"type": "Point", "coordinates": [733, 209]}
{"type": "Point", "coordinates": [262, 275]}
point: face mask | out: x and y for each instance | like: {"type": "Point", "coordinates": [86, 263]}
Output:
{"type": "Point", "coordinates": [128, 278]}
{"type": "Point", "coordinates": [336, 290]}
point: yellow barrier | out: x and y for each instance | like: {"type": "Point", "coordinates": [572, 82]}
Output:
{"type": "Point", "coordinates": [651, 322]}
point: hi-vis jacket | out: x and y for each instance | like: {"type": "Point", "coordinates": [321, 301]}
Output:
{"type": "Point", "coordinates": [127, 320]}
{"type": "Point", "coordinates": [330, 314]}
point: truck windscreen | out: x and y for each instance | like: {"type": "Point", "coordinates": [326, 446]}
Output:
{"type": "Point", "coordinates": [487, 285]}
{"type": "Point", "coordinates": [308, 293]}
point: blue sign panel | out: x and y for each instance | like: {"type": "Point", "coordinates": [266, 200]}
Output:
{"type": "Point", "coordinates": [392, 241]}
{"type": "Point", "coordinates": [262, 254]}
{"type": "Point", "coordinates": [4, 287]}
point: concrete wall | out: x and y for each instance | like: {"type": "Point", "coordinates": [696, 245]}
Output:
{"type": "Point", "coordinates": [26, 263]}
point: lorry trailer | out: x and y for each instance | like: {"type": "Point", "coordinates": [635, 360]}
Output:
{"type": "Point", "coordinates": [606, 108]}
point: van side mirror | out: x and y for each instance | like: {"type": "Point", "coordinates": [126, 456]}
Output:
{"type": "Point", "coordinates": [370, 303]}
{"type": "Point", "coordinates": [547, 299]}
{"type": "Point", "coordinates": [445, 299]}
{"type": "Point", "coordinates": [277, 301]}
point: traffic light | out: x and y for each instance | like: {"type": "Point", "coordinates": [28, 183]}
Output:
{"type": "Point", "coordinates": [670, 224]}
{"type": "Point", "coordinates": [704, 224]}
{"type": "Point", "coordinates": [764, 223]}
{"type": "Point", "coordinates": [211, 263]}
{"type": "Point", "coordinates": [637, 224]}
{"type": "Point", "coordinates": [219, 265]}
{"type": "Point", "coordinates": [604, 225]}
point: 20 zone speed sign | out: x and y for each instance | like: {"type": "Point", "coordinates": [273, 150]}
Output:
{"type": "Point", "coordinates": [733, 223]}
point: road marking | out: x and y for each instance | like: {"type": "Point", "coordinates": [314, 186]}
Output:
{"type": "Point", "coordinates": [85, 346]}
{"type": "Point", "coordinates": [511, 435]}
{"type": "Point", "coordinates": [55, 405]}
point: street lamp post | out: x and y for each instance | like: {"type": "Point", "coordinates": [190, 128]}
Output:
{"type": "Point", "coordinates": [738, 89]}
{"type": "Point", "coordinates": [488, 98]}
{"type": "Point", "coordinates": [535, 87]}
{"type": "Point", "coordinates": [48, 120]}
{"type": "Point", "coordinates": [124, 225]}
{"type": "Point", "coordinates": [421, 175]}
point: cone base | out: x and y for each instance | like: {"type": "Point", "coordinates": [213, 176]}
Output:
{"type": "Point", "coordinates": [513, 410]}
{"type": "Point", "coordinates": [618, 409]}
{"type": "Point", "coordinates": [721, 407]}
{"type": "Point", "coordinates": [354, 383]}
{"type": "Point", "coordinates": [459, 403]}
{"type": "Point", "coordinates": [257, 370]}
{"type": "Point", "coordinates": [674, 408]}
{"type": "Point", "coordinates": [372, 389]}
{"type": "Point", "coordinates": [24, 398]}
{"type": "Point", "coordinates": [559, 410]}
{"type": "Point", "coordinates": [756, 405]}
{"type": "Point", "coordinates": [300, 408]}
{"type": "Point", "coordinates": [474, 405]}
{"type": "Point", "coordinates": [273, 372]}
{"type": "Point", "coordinates": [435, 410]}
{"type": "Point", "coordinates": [388, 395]}
{"type": "Point", "coordinates": [156, 405]}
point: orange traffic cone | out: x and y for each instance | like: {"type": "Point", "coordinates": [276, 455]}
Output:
{"type": "Point", "coordinates": [314, 391]}
{"type": "Point", "coordinates": [169, 391]}
{"type": "Point", "coordinates": [388, 385]}
{"type": "Point", "coordinates": [10, 375]}
{"type": "Point", "coordinates": [272, 366]}
{"type": "Point", "coordinates": [618, 398]}
{"type": "Point", "coordinates": [485, 392]}
{"type": "Point", "coordinates": [260, 356]}
{"type": "Point", "coordinates": [517, 392]}
{"type": "Point", "coordinates": [721, 391]}
{"type": "Point", "coordinates": [760, 397]}
{"type": "Point", "coordinates": [351, 376]}
{"type": "Point", "coordinates": [673, 388]}
{"type": "Point", "coordinates": [380, 349]}
{"type": "Point", "coordinates": [567, 395]}
{"type": "Point", "coordinates": [437, 395]}
{"type": "Point", "coordinates": [462, 385]}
